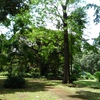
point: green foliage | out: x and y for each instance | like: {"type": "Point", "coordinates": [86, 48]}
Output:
{"type": "Point", "coordinates": [41, 47]}
{"type": "Point", "coordinates": [86, 75]}
{"type": "Point", "coordinates": [3, 73]}
{"type": "Point", "coordinates": [12, 7]}
{"type": "Point", "coordinates": [50, 76]}
{"type": "Point", "coordinates": [16, 65]}
{"type": "Point", "coordinates": [22, 23]}
{"type": "Point", "coordinates": [88, 61]}
{"type": "Point", "coordinates": [35, 72]}
{"type": "Point", "coordinates": [15, 82]}
{"type": "Point", "coordinates": [47, 50]}
{"type": "Point", "coordinates": [3, 61]}
{"type": "Point", "coordinates": [83, 75]}
{"type": "Point", "coordinates": [75, 73]}
{"type": "Point", "coordinates": [96, 42]}
{"type": "Point", "coordinates": [77, 21]}
{"type": "Point", "coordinates": [89, 76]}
{"type": "Point", "coordinates": [73, 77]}
{"type": "Point", "coordinates": [97, 75]}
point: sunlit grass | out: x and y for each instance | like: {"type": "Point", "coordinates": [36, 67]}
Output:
{"type": "Point", "coordinates": [36, 89]}
{"type": "Point", "coordinates": [40, 95]}
{"type": "Point", "coordinates": [88, 83]}
{"type": "Point", "coordinates": [84, 89]}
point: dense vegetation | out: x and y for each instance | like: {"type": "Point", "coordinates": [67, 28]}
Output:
{"type": "Point", "coordinates": [29, 49]}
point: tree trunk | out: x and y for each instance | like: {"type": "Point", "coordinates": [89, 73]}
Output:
{"type": "Point", "coordinates": [1, 46]}
{"type": "Point", "coordinates": [66, 69]}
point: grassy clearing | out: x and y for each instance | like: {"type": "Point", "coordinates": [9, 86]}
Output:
{"type": "Point", "coordinates": [88, 83]}
{"type": "Point", "coordinates": [83, 89]}
{"type": "Point", "coordinates": [29, 96]}
{"type": "Point", "coordinates": [36, 90]}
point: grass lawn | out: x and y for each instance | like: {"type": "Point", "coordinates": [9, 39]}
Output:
{"type": "Point", "coordinates": [36, 90]}
{"type": "Point", "coordinates": [84, 89]}
{"type": "Point", "coordinates": [88, 83]}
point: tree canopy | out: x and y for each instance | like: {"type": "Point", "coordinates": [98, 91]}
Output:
{"type": "Point", "coordinates": [34, 49]}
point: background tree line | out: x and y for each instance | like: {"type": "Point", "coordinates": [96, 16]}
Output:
{"type": "Point", "coordinates": [34, 51]}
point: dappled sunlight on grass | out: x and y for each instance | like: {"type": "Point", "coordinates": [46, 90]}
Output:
{"type": "Point", "coordinates": [41, 89]}
{"type": "Point", "coordinates": [30, 96]}
{"type": "Point", "coordinates": [86, 95]}
{"type": "Point", "coordinates": [83, 89]}
{"type": "Point", "coordinates": [88, 83]}
{"type": "Point", "coordinates": [36, 89]}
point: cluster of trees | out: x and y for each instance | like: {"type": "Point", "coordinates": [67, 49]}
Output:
{"type": "Point", "coordinates": [56, 54]}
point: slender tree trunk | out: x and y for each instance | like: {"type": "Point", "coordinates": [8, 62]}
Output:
{"type": "Point", "coordinates": [71, 57]}
{"type": "Point", "coordinates": [66, 76]}
{"type": "Point", "coordinates": [1, 51]}
{"type": "Point", "coordinates": [1, 46]}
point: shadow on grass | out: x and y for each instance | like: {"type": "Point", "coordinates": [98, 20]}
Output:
{"type": "Point", "coordinates": [88, 83]}
{"type": "Point", "coordinates": [33, 85]}
{"type": "Point", "coordinates": [86, 95]}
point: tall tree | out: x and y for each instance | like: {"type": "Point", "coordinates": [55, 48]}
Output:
{"type": "Point", "coordinates": [49, 10]}
{"type": "Point", "coordinates": [57, 11]}
{"type": "Point", "coordinates": [66, 45]}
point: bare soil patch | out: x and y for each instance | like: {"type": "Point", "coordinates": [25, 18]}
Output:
{"type": "Point", "coordinates": [62, 94]}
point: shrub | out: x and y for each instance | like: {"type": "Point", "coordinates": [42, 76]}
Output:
{"type": "Point", "coordinates": [86, 75]}
{"type": "Point", "coordinates": [97, 75]}
{"type": "Point", "coordinates": [50, 76]}
{"type": "Point", "coordinates": [89, 76]}
{"type": "Point", "coordinates": [83, 75]}
{"type": "Point", "coordinates": [35, 75]}
{"type": "Point", "coordinates": [35, 72]}
{"type": "Point", "coordinates": [27, 75]}
{"type": "Point", "coordinates": [14, 82]}
{"type": "Point", "coordinates": [73, 77]}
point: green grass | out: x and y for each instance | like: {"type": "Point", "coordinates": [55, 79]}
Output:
{"type": "Point", "coordinates": [36, 90]}
{"type": "Point", "coordinates": [84, 89]}
{"type": "Point", "coordinates": [88, 83]}
{"type": "Point", "coordinates": [28, 96]}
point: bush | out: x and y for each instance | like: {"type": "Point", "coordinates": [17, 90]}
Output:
{"type": "Point", "coordinates": [97, 75]}
{"type": "Point", "coordinates": [27, 75]}
{"type": "Point", "coordinates": [89, 76]}
{"type": "Point", "coordinates": [14, 82]}
{"type": "Point", "coordinates": [83, 75]}
{"type": "Point", "coordinates": [73, 77]}
{"type": "Point", "coordinates": [50, 76]}
{"type": "Point", "coordinates": [35, 75]}
{"type": "Point", "coordinates": [86, 75]}
{"type": "Point", "coordinates": [35, 72]}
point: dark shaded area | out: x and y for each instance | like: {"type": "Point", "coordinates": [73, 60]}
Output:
{"type": "Point", "coordinates": [33, 85]}
{"type": "Point", "coordinates": [14, 82]}
{"type": "Point", "coordinates": [85, 95]}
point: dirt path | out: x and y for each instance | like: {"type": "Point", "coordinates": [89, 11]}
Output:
{"type": "Point", "coordinates": [62, 94]}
